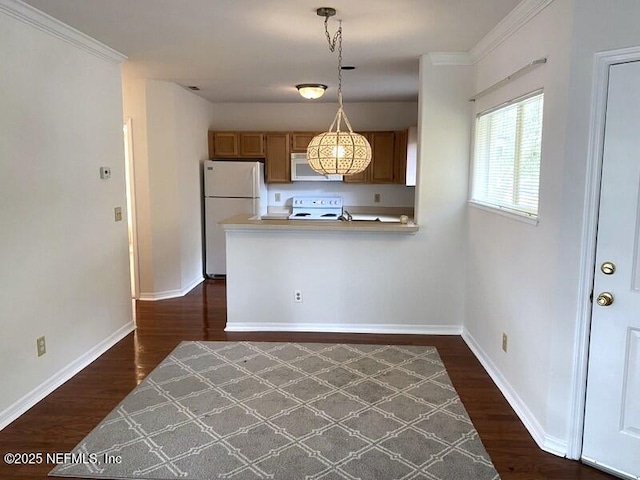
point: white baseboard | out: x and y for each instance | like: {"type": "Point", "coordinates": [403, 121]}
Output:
{"type": "Point", "coordinates": [546, 442]}
{"type": "Point", "coordinates": [34, 396]}
{"type": "Point", "coordinates": [343, 328]}
{"type": "Point", "coordinates": [153, 296]}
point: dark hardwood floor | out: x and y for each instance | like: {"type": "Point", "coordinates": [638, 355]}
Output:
{"type": "Point", "coordinates": [60, 421]}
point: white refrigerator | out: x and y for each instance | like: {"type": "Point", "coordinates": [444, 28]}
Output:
{"type": "Point", "coordinates": [230, 188]}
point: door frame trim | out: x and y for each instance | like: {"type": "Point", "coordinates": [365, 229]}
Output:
{"type": "Point", "coordinates": [603, 60]}
{"type": "Point", "coordinates": [132, 217]}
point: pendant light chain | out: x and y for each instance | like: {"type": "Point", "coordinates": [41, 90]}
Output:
{"type": "Point", "coordinates": [339, 35]}
{"type": "Point", "coordinates": [335, 151]}
{"type": "Point", "coordinates": [337, 39]}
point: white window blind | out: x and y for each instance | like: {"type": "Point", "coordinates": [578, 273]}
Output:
{"type": "Point", "coordinates": [506, 170]}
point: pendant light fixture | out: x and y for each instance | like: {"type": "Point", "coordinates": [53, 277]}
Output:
{"type": "Point", "coordinates": [337, 151]}
{"type": "Point", "coordinates": [311, 91]}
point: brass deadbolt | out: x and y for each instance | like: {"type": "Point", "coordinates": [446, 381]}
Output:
{"type": "Point", "coordinates": [608, 268]}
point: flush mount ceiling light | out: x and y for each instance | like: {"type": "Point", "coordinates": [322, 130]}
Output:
{"type": "Point", "coordinates": [311, 91]}
{"type": "Point", "coordinates": [336, 151]}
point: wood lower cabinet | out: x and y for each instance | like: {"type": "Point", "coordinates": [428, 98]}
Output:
{"type": "Point", "coordinates": [278, 158]}
{"type": "Point", "coordinates": [236, 145]}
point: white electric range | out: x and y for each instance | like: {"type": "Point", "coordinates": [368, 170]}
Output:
{"type": "Point", "coordinates": [316, 208]}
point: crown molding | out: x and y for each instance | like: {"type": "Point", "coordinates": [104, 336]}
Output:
{"type": "Point", "coordinates": [514, 21]}
{"type": "Point", "coordinates": [450, 58]}
{"type": "Point", "coordinates": [46, 23]}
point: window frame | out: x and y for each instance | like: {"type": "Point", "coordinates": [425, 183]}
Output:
{"type": "Point", "coordinates": [502, 210]}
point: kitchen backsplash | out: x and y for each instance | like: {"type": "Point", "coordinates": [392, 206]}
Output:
{"type": "Point", "coordinates": [352, 194]}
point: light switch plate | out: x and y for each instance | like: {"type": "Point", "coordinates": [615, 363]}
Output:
{"type": "Point", "coordinates": [117, 212]}
{"type": "Point", "coordinates": [42, 346]}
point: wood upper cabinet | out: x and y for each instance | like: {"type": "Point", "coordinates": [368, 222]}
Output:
{"type": "Point", "coordinates": [251, 145]}
{"type": "Point", "coordinates": [382, 157]}
{"type": "Point", "coordinates": [388, 149]}
{"type": "Point", "coordinates": [400, 157]}
{"type": "Point", "coordinates": [300, 141]}
{"type": "Point", "coordinates": [383, 153]}
{"type": "Point", "coordinates": [362, 177]}
{"type": "Point", "coordinates": [236, 144]}
{"type": "Point", "coordinates": [223, 144]}
{"type": "Point", "coordinates": [365, 176]}
{"type": "Point", "coordinates": [278, 158]}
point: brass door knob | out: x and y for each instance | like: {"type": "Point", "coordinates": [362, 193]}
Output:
{"type": "Point", "coordinates": [608, 268]}
{"type": "Point", "coordinates": [604, 299]}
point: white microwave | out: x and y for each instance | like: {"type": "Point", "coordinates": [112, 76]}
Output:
{"type": "Point", "coordinates": [301, 171]}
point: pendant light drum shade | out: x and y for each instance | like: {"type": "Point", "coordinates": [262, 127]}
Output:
{"type": "Point", "coordinates": [343, 153]}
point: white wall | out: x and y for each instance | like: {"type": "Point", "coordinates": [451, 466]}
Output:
{"type": "Point", "coordinates": [135, 108]}
{"type": "Point", "coordinates": [513, 272]}
{"type": "Point", "coordinates": [317, 117]}
{"type": "Point", "coordinates": [65, 266]}
{"type": "Point", "coordinates": [193, 117]}
{"type": "Point", "coordinates": [352, 194]}
{"type": "Point", "coordinates": [598, 26]}
{"type": "Point", "coordinates": [312, 116]}
{"type": "Point", "coordinates": [524, 279]}
{"type": "Point", "coordinates": [379, 282]}
{"type": "Point", "coordinates": [170, 144]}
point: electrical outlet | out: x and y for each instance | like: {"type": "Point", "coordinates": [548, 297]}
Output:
{"type": "Point", "coordinates": [297, 296]}
{"type": "Point", "coordinates": [504, 341]}
{"type": "Point", "coordinates": [277, 197]}
{"type": "Point", "coordinates": [376, 198]}
{"type": "Point", "coordinates": [42, 346]}
{"type": "Point", "coordinates": [117, 213]}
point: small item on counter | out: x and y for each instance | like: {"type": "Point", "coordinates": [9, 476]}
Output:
{"type": "Point", "coordinates": [404, 219]}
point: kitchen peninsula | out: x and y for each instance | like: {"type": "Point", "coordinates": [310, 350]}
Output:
{"type": "Point", "coordinates": [293, 275]}
{"type": "Point", "coordinates": [247, 223]}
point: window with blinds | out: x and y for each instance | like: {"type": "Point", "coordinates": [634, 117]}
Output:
{"type": "Point", "coordinates": [506, 167]}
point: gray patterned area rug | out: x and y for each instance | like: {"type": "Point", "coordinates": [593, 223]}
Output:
{"type": "Point", "coordinates": [252, 410]}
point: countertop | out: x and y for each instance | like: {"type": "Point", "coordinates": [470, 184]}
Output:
{"type": "Point", "coordinates": [248, 222]}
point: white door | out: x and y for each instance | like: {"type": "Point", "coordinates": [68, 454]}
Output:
{"type": "Point", "coordinates": [612, 415]}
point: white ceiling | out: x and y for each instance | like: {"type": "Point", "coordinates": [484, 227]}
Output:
{"type": "Point", "coordinates": [258, 50]}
